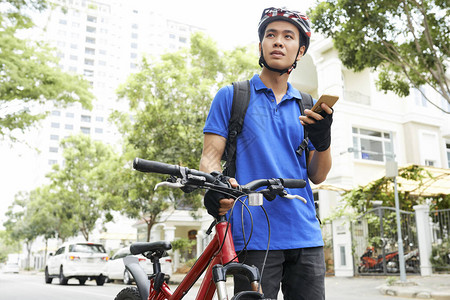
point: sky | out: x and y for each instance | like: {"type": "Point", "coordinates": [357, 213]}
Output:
{"type": "Point", "coordinates": [230, 23]}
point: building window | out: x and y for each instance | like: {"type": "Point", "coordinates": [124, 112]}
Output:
{"type": "Point", "coordinates": [90, 29]}
{"type": "Point", "coordinates": [53, 149]}
{"type": "Point", "coordinates": [342, 255]}
{"type": "Point", "coordinates": [56, 113]}
{"type": "Point", "coordinates": [85, 130]}
{"type": "Point", "coordinates": [99, 119]}
{"type": "Point", "coordinates": [52, 162]}
{"type": "Point", "coordinates": [419, 97]}
{"type": "Point", "coordinates": [89, 51]}
{"type": "Point", "coordinates": [98, 130]}
{"type": "Point", "coordinates": [88, 73]}
{"type": "Point", "coordinates": [134, 45]}
{"type": "Point", "coordinates": [134, 35]}
{"type": "Point", "coordinates": [133, 55]}
{"type": "Point", "coordinates": [73, 46]}
{"type": "Point", "coordinates": [85, 118]}
{"type": "Point", "coordinates": [91, 19]}
{"type": "Point", "coordinates": [55, 125]}
{"type": "Point", "coordinates": [54, 137]}
{"type": "Point", "coordinates": [90, 40]}
{"type": "Point", "coordinates": [70, 114]}
{"type": "Point", "coordinates": [182, 40]}
{"type": "Point", "coordinates": [134, 26]}
{"type": "Point", "coordinates": [448, 154]}
{"type": "Point", "coordinates": [63, 22]}
{"type": "Point", "coordinates": [68, 126]}
{"type": "Point", "coordinates": [73, 57]}
{"type": "Point", "coordinates": [89, 62]}
{"type": "Point", "coordinates": [372, 145]}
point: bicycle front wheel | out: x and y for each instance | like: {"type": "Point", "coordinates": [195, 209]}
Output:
{"type": "Point", "coordinates": [129, 293]}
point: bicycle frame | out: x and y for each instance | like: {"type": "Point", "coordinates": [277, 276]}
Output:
{"type": "Point", "coordinates": [207, 288]}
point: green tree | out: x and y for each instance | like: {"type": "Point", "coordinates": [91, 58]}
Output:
{"type": "Point", "coordinates": [8, 246]}
{"type": "Point", "coordinates": [406, 41]}
{"type": "Point", "coordinates": [169, 100]}
{"type": "Point", "coordinates": [30, 77]}
{"type": "Point", "coordinates": [18, 225]}
{"type": "Point", "coordinates": [79, 188]}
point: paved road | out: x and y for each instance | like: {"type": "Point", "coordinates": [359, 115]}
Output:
{"type": "Point", "coordinates": [26, 286]}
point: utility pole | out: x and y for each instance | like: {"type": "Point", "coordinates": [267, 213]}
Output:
{"type": "Point", "coordinates": [392, 172]}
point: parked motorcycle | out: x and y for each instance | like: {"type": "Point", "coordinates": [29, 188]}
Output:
{"type": "Point", "coordinates": [369, 263]}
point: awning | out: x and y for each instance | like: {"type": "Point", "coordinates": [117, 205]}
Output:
{"type": "Point", "coordinates": [435, 181]}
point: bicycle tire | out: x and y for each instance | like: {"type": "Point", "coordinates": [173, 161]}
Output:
{"type": "Point", "coordinates": [129, 293]}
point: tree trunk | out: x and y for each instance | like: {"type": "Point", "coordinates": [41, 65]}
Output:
{"type": "Point", "coordinates": [150, 224]}
{"type": "Point", "coordinates": [45, 251]}
{"type": "Point", "coordinates": [28, 245]}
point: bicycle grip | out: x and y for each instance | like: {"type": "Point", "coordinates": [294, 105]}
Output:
{"type": "Point", "coordinates": [149, 166]}
{"type": "Point", "coordinates": [294, 183]}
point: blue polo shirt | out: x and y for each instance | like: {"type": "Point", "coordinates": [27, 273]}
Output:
{"type": "Point", "coordinates": [266, 149]}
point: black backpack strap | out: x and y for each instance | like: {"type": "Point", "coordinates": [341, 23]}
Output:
{"type": "Point", "coordinates": [241, 99]}
{"type": "Point", "coordinates": [305, 103]}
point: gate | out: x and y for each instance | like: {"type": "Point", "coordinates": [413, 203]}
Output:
{"type": "Point", "coordinates": [440, 240]}
{"type": "Point", "coordinates": [374, 238]}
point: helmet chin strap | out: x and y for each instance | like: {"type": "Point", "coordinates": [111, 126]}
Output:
{"type": "Point", "coordinates": [262, 62]}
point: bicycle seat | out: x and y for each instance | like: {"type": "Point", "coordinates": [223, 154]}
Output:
{"type": "Point", "coordinates": [143, 247]}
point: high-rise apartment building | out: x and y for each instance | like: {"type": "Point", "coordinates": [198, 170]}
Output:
{"type": "Point", "coordinates": [103, 40]}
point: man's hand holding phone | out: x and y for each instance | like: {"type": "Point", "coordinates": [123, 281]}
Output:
{"type": "Point", "coordinates": [318, 120]}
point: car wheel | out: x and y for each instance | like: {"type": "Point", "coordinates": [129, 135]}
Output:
{"type": "Point", "coordinates": [82, 281]}
{"type": "Point", "coordinates": [127, 277]}
{"type": "Point", "coordinates": [62, 279]}
{"type": "Point", "coordinates": [129, 293]}
{"type": "Point", "coordinates": [48, 279]}
{"type": "Point", "coordinates": [100, 280]}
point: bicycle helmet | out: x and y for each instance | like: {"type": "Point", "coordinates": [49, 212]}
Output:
{"type": "Point", "coordinates": [298, 19]}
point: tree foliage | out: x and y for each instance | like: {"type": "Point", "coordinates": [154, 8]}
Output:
{"type": "Point", "coordinates": [30, 77]}
{"type": "Point", "coordinates": [80, 187]}
{"type": "Point", "coordinates": [406, 41]}
{"type": "Point", "coordinates": [169, 100]}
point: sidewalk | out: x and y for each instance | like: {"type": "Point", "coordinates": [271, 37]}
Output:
{"type": "Point", "coordinates": [435, 287]}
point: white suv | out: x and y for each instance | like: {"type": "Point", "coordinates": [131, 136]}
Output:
{"type": "Point", "coordinates": [82, 261]}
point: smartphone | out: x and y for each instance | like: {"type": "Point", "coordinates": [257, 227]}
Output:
{"type": "Point", "coordinates": [329, 100]}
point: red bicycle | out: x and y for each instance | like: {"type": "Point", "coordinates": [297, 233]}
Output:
{"type": "Point", "coordinates": [219, 259]}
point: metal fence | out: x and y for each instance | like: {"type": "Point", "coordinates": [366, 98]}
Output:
{"type": "Point", "coordinates": [374, 236]}
{"type": "Point", "coordinates": [440, 240]}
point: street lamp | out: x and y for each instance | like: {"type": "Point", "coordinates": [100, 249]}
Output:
{"type": "Point", "coordinates": [392, 172]}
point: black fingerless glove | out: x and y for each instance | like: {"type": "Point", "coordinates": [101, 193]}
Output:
{"type": "Point", "coordinates": [211, 202]}
{"type": "Point", "coordinates": [212, 198]}
{"type": "Point", "coordinates": [319, 133]}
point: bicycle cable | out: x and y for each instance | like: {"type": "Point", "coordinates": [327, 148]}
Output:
{"type": "Point", "coordinates": [267, 250]}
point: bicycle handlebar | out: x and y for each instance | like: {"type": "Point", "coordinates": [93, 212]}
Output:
{"type": "Point", "coordinates": [149, 166]}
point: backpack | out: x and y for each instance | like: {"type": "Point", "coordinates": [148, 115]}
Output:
{"type": "Point", "coordinates": [241, 99]}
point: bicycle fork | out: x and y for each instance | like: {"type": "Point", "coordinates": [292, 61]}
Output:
{"type": "Point", "coordinates": [220, 272]}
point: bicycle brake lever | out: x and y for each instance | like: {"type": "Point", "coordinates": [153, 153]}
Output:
{"type": "Point", "coordinates": [169, 184]}
{"type": "Point", "coordinates": [289, 196]}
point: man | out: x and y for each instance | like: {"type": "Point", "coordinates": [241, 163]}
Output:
{"type": "Point", "coordinates": [266, 148]}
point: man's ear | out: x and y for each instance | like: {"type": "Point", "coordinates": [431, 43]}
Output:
{"type": "Point", "coordinates": [300, 53]}
{"type": "Point", "coordinates": [260, 48]}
